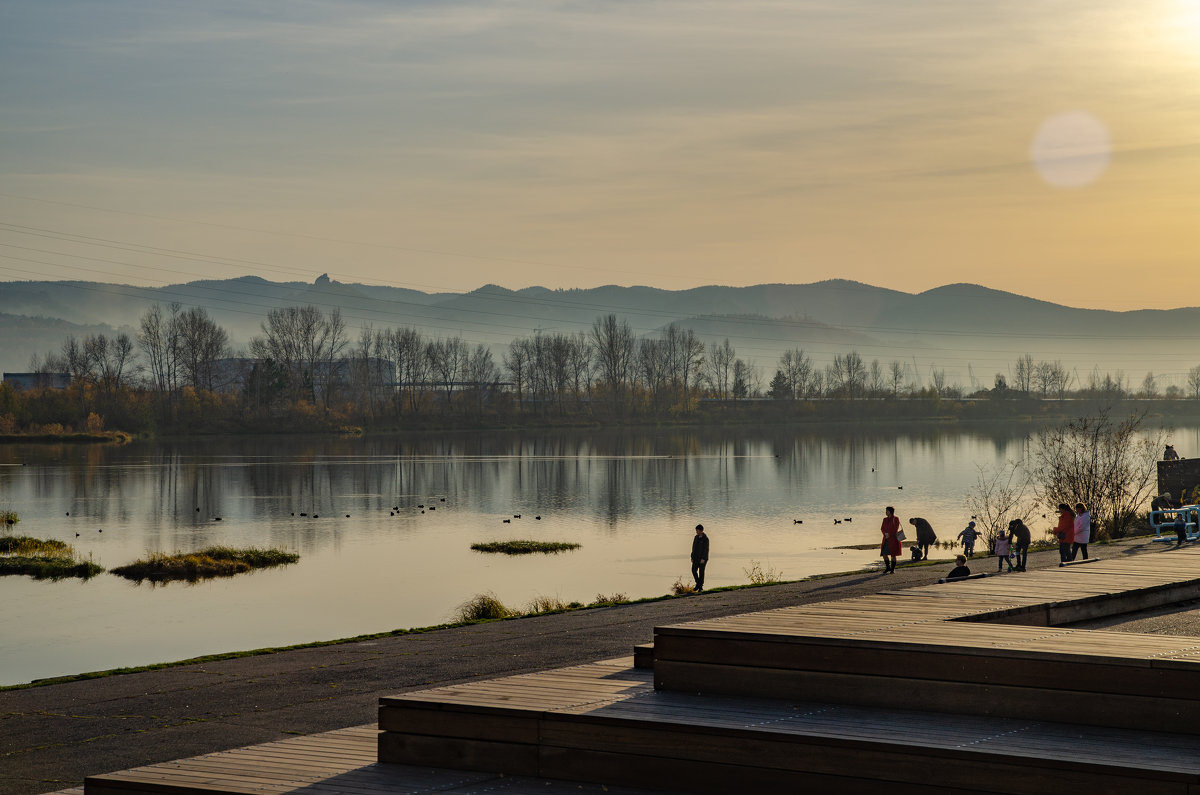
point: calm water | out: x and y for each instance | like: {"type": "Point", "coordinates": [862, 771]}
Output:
{"type": "Point", "coordinates": [631, 499]}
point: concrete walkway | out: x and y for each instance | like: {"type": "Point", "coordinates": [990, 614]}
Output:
{"type": "Point", "coordinates": [52, 736]}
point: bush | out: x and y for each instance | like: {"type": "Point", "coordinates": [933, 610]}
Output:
{"type": "Point", "coordinates": [483, 607]}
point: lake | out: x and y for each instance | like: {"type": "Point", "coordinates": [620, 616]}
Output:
{"type": "Point", "coordinates": [630, 498]}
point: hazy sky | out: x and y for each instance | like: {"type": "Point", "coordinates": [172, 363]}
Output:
{"type": "Point", "coordinates": [1049, 148]}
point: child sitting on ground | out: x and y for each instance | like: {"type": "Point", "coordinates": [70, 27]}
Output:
{"type": "Point", "coordinates": [960, 569]}
{"type": "Point", "coordinates": [1002, 550]}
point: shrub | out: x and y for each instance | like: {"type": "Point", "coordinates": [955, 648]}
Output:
{"type": "Point", "coordinates": [483, 607]}
{"type": "Point", "coordinates": [611, 599]}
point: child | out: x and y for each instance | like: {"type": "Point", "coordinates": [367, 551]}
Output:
{"type": "Point", "coordinates": [1002, 550]}
{"type": "Point", "coordinates": [960, 569]}
{"type": "Point", "coordinates": [968, 536]}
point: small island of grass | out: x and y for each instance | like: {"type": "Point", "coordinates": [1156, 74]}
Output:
{"type": "Point", "coordinates": [522, 547]}
{"type": "Point", "coordinates": [43, 559]}
{"type": "Point", "coordinates": [203, 564]}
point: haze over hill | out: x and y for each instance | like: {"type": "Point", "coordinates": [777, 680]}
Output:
{"type": "Point", "coordinates": [969, 331]}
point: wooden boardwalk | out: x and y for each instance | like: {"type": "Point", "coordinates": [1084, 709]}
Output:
{"type": "Point", "coordinates": [945, 646]}
{"type": "Point", "coordinates": [969, 686]}
{"type": "Point", "coordinates": [341, 761]}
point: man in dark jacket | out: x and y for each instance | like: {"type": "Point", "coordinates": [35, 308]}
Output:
{"type": "Point", "coordinates": [699, 556]}
{"type": "Point", "coordinates": [925, 535]}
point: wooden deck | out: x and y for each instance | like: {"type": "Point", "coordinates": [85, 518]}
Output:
{"type": "Point", "coordinates": [979, 647]}
{"type": "Point", "coordinates": [606, 722]}
{"type": "Point", "coordinates": [341, 761]}
{"type": "Point", "coordinates": [970, 686]}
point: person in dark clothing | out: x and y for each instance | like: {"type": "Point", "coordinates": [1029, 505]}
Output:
{"type": "Point", "coordinates": [1019, 538]}
{"type": "Point", "coordinates": [699, 556]}
{"type": "Point", "coordinates": [960, 569]}
{"type": "Point", "coordinates": [1180, 528]}
{"type": "Point", "coordinates": [925, 535]}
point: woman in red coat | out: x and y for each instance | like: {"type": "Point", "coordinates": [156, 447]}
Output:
{"type": "Point", "coordinates": [890, 548]}
{"type": "Point", "coordinates": [1065, 532]}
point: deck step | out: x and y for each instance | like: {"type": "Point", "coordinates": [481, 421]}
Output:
{"type": "Point", "coordinates": [606, 722]}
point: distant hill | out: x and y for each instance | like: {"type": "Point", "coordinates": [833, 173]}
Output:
{"type": "Point", "coordinates": [971, 332]}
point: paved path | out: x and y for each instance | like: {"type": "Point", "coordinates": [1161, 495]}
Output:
{"type": "Point", "coordinates": [52, 736]}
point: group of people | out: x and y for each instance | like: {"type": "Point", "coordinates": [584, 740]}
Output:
{"type": "Point", "coordinates": [1074, 531]}
{"type": "Point", "coordinates": [892, 536]}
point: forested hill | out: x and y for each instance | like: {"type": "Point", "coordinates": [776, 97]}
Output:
{"type": "Point", "coordinates": [949, 327]}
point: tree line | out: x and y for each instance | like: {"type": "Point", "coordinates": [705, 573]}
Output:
{"type": "Point", "coordinates": [180, 373]}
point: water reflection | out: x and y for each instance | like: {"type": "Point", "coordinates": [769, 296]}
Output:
{"type": "Point", "coordinates": [630, 497]}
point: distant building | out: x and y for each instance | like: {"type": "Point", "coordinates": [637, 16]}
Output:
{"type": "Point", "coordinates": [38, 380]}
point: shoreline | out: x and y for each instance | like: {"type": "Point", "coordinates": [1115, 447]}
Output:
{"type": "Point", "coordinates": [423, 630]}
{"type": "Point", "coordinates": [56, 733]}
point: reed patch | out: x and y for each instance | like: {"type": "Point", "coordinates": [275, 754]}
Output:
{"type": "Point", "coordinates": [524, 547]}
{"type": "Point", "coordinates": [203, 564]}
{"type": "Point", "coordinates": [44, 559]}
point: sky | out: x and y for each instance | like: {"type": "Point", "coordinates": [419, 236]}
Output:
{"type": "Point", "coordinates": [1047, 148]}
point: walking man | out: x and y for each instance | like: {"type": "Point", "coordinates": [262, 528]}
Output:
{"type": "Point", "coordinates": [699, 557]}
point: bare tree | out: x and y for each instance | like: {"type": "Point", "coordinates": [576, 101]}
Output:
{"type": "Point", "coordinates": [720, 367]}
{"type": "Point", "coordinates": [797, 368]}
{"type": "Point", "coordinates": [1000, 494]}
{"type": "Point", "coordinates": [200, 342]}
{"type": "Point", "coordinates": [1193, 381]}
{"type": "Point", "coordinates": [1023, 374]}
{"type": "Point", "coordinates": [613, 339]}
{"type": "Point", "coordinates": [447, 361]}
{"type": "Point", "coordinates": [517, 362]}
{"type": "Point", "coordinates": [157, 336]}
{"type": "Point", "coordinates": [1109, 466]}
{"type": "Point", "coordinates": [1149, 386]}
{"type": "Point", "coordinates": [876, 379]}
{"type": "Point", "coordinates": [303, 344]}
{"type": "Point", "coordinates": [895, 376]}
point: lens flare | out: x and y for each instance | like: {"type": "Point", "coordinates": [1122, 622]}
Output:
{"type": "Point", "coordinates": [1071, 149]}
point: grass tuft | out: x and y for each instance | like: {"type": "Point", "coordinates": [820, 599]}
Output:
{"type": "Point", "coordinates": [204, 564]}
{"type": "Point", "coordinates": [25, 545]}
{"type": "Point", "coordinates": [524, 547]}
{"type": "Point", "coordinates": [546, 604]}
{"type": "Point", "coordinates": [483, 607]}
{"type": "Point", "coordinates": [43, 559]}
{"type": "Point", "coordinates": [680, 587]}
{"type": "Point", "coordinates": [757, 575]}
{"type": "Point", "coordinates": [49, 567]}
{"type": "Point", "coordinates": [603, 600]}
